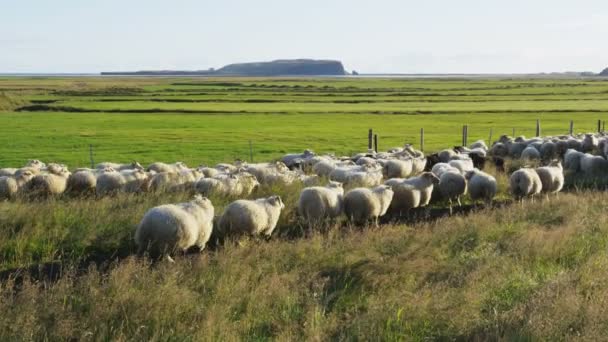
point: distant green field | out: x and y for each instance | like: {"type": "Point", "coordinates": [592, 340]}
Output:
{"type": "Point", "coordinates": [211, 120]}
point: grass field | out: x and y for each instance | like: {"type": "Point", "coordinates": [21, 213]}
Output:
{"type": "Point", "coordinates": [511, 272]}
{"type": "Point", "coordinates": [212, 120]}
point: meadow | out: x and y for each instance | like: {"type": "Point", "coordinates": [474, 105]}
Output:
{"type": "Point", "coordinates": [508, 272]}
{"type": "Point", "coordinates": [205, 121]}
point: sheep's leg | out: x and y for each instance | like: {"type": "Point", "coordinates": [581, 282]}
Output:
{"type": "Point", "coordinates": [169, 258]}
{"type": "Point", "coordinates": [459, 203]}
{"type": "Point", "coordinates": [450, 201]}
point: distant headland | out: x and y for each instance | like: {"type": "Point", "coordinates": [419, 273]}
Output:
{"type": "Point", "coordinates": [281, 67]}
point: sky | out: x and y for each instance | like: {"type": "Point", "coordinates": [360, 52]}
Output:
{"type": "Point", "coordinates": [380, 36]}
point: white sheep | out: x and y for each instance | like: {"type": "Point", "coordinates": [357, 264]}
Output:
{"type": "Point", "coordinates": [481, 186]}
{"type": "Point", "coordinates": [525, 183]}
{"type": "Point", "coordinates": [159, 167]}
{"type": "Point", "coordinates": [83, 181]}
{"type": "Point", "coordinates": [176, 227]}
{"type": "Point", "coordinates": [109, 183]}
{"type": "Point", "coordinates": [397, 168]}
{"type": "Point", "coordinates": [479, 144]}
{"type": "Point", "coordinates": [530, 154]}
{"type": "Point", "coordinates": [49, 184]}
{"type": "Point", "coordinates": [136, 180]}
{"type": "Point", "coordinates": [239, 184]}
{"type": "Point", "coordinates": [293, 160]}
{"type": "Point", "coordinates": [257, 217]}
{"type": "Point", "coordinates": [119, 167]}
{"type": "Point", "coordinates": [589, 143]}
{"type": "Point", "coordinates": [10, 186]}
{"type": "Point", "coordinates": [317, 203]}
{"type": "Point", "coordinates": [452, 185]}
{"type": "Point", "coordinates": [362, 204]}
{"type": "Point", "coordinates": [594, 166]}
{"type": "Point", "coordinates": [463, 165]}
{"type": "Point", "coordinates": [551, 177]}
{"type": "Point", "coordinates": [424, 183]}
{"type": "Point", "coordinates": [405, 196]}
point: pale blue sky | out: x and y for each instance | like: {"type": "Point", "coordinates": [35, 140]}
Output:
{"type": "Point", "coordinates": [432, 36]}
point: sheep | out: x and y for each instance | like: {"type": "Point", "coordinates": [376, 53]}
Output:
{"type": "Point", "coordinates": [594, 166]}
{"type": "Point", "coordinates": [452, 185]}
{"type": "Point", "coordinates": [551, 177]}
{"type": "Point", "coordinates": [240, 184]}
{"type": "Point", "coordinates": [530, 154]}
{"type": "Point", "coordinates": [362, 204]}
{"type": "Point", "coordinates": [424, 183]}
{"type": "Point", "coordinates": [253, 217]}
{"type": "Point", "coordinates": [368, 161]}
{"type": "Point", "coordinates": [174, 181]}
{"type": "Point", "coordinates": [439, 168]}
{"type": "Point", "coordinates": [317, 203]}
{"type": "Point", "coordinates": [405, 196]}
{"type": "Point", "coordinates": [549, 151]}
{"type": "Point", "coordinates": [418, 165]}
{"type": "Point", "coordinates": [397, 168]}
{"type": "Point", "coordinates": [525, 182]}
{"type": "Point", "coordinates": [446, 155]}
{"type": "Point", "coordinates": [572, 160]}
{"type": "Point", "coordinates": [462, 165]}
{"type": "Point", "coordinates": [589, 143]}
{"type": "Point", "coordinates": [516, 148]}
{"type": "Point", "coordinates": [159, 167]}
{"type": "Point", "coordinates": [109, 183]}
{"type": "Point", "coordinates": [364, 178]}
{"type": "Point", "coordinates": [11, 186]}
{"type": "Point", "coordinates": [294, 160]}
{"type": "Point", "coordinates": [49, 184]}
{"type": "Point", "coordinates": [267, 173]}
{"type": "Point", "coordinates": [479, 144]}
{"type": "Point", "coordinates": [481, 186]}
{"type": "Point", "coordinates": [119, 167]}
{"type": "Point", "coordinates": [83, 181]}
{"type": "Point", "coordinates": [8, 171]}
{"type": "Point", "coordinates": [173, 227]}
{"type": "Point", "coordinates": [136, 180]}
{"type": "Point", "coordinates": [499, 149]}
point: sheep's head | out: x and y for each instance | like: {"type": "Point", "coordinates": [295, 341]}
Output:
{"type": "Point", "coordinates": [308, 153]}
{"type": "Point", "coordinates": [469, 174]}
{"type": "Point", "coordinates": [276, 201]}
{"type": "Point", "coordinates": [430, 177]}
{"type": "Point", "coordinates": [201, 201]}
{"type": "Point", "coordinates": [35, 163]}
{"type": "Point", "coordinates": [281, 167]}
{"type": "Point", "coordinates": [181, 165]}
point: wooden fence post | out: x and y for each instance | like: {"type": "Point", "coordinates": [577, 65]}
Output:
{"type": "Point", "coordinates": [490, 138]}
{"type": "Point", "coordinates": [370, 135]}
{"type": "Point", "coordinates": [376, 143]}
{"type": "Point", "coordinates": [571, 127]}
{"type": "Point", "coordinates": [599, 126]}
{"type": "Point", "coordinates": [91, 156]}
{"type": "Point", "coordinates": [538, 127]}
{"type": "Point", "coordinates": [422, 139]}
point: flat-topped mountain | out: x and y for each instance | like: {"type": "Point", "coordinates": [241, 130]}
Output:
{"type": "Point", "coordinates": [280, 67]}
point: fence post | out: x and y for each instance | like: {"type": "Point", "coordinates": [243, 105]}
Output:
{"type": "Point", "coordinates": [370, 135]}
{"type": "Point", "coordinates": [603, 126]}
{"type": "Point", "coordinates": [513, 132]}
{"type": "Point", "coordinates": [250, 152]}
{"type": "Point", "coordinates": [463, 133]}
{"type": "Point", "coordinates": [571, 126]}
{"type": "Point", "coordinates": [422, 139]}
{"type": "Point", "coordinates": [599, 126]}
{"type": "Point", "coordinates": [376, 143]}
{"type": "Point", "coordinates": [91, 156]}
{"type": "Point", "coordinates": [466, 135]}
{"type": "Point", "coordinates": [538, 127]}
{"type": "Point", "coordinates": [490, 138]}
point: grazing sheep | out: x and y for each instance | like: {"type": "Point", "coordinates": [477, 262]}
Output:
{"type": "Point", "coordinates": [551, 177]}
{"type": "Point", "coordinates": [462, 165]}
{"type": "Point", "coordinates": [49, 184]}
{"type": "Point", "coordinates": [257, 217]}
{"type": "Point", "coordinates": [318, 202]}
{"type": "Point", "coordinates": [267, 173]}
{"type": "Point", "coordinates": [589, 143]}
{"type": "Point", "coordinates": [525, 182]}
{"type": "Point", "coordinates": [10, 186]}
{"type": "Point", "coordinates": [530, 154]}
{"type": "Point", "coordinates": [405, 196]}
{"type": "Point", "coordinates": [119, 167]}
{"type": "Point", "coordinates": [324, 168]}
{"type": "Point", "coordinates": [479, 144]}
{"type": "Point", "coordinates": [363, 178]}
{"type": "Point", "coordinates": [452, 185]}
{"type": "Point", "coordinates": [572, 160]}
{"type": "Point", "coordinates": [83, 181]}
{"type": "Point", "coordinates": [362, 204]}
{"type": "Point", "coordinates": [446, 155]}
{"type": "Point", "coordinates": [176, 227]}
{"type": "Point", "coordinates": [210, 172]}
{"type": "Point", "coordinates": [239, 184]}
{"type": "Point", "coordinates": [136, 180]}
{"type": "Point", "coordinates": [481, 186]}
{"type": "Point", "coordinates": [109, 183]}
{"type": "Point", "coordinates": [159, 167]}
{"type": "Point", "coordinates": [397, 168]}
{"type": "Point", "coordinates": [594, 166]}
{"type": "Point", "coordinates": [174, 181]}
{"type": "Point", "coordinates": [294, 160]}
{"type": "Point", "coordinates": [424, 183]}
{"type": "Point", "coordinates": [440, 168]}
